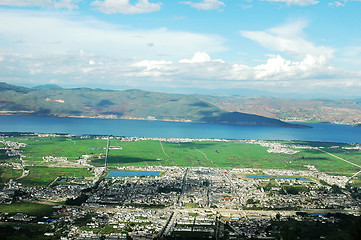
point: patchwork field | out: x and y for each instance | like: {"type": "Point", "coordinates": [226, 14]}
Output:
{"type": "Point", "coordinates": [231, 154]}
{"type": "Point", "coordinates": [228, 155]}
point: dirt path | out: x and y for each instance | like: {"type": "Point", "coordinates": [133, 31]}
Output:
{"type": "Point", "coordinates": [205, 156]}
{"type": "Point", "coordinates": [25, 173]}
{"type": "Point", "coordinates": [163, 148]}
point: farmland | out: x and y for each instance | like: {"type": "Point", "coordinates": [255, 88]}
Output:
{"type": "Point", "coordinates": [34, 209]}
{"type": "Point", "coordinates": [163, 152]}
{"type": "Point", "coordinates": [62, 182]}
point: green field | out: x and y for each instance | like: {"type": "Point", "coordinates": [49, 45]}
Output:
{"type": "Point", "coordinates": [25, 231]}
{"type": "Point", "coordinates": [45, 175]}
{"type": "Point", "coordinates": [32, 209]}
{"type": "Point", "coordinates": [226, 155]}
{"type": "Point", "coordinates": [233, 154]}
{"type": "Point", "coordinates": [7, 173]}
{"type": "Point", "coordinates": [71, 147]}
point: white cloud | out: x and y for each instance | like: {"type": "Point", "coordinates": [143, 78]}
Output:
{"type": "Point", "coordinates": [49, 33]}
{"type": "Point", "coordinates": [296, 2]}
{"type": "Point", "coordinates": [311, 61]}
{"type": "Point", "coordinates": [278, 68]}
{"type": "Point", "coordinates": [93, 62]}
{"type": "Point", "coordinates": [201, 66]}
{"type": "Point", "coordinates": [153, 68]}
{"type": "Point", "coordinates": [69, 4]}
{"type": "Point", "coordinates": [38, 46]}
{"type": "Point", "coordinates": [337, 4]}
{"type": "Point", "coordinates": [288, 39]}
{"type": "Point", "coordinates": [206, 4]}
{"type": "Point", "coordinates": [124, 6]}
{"type": "Point", "coordinates": [199, 57]}
{"type": "Point", "coordinates": [85, 68]}
{"type": "Point", "coordinates": [152, 64]}
{"type": "Point", "coordinates": [341, 3]}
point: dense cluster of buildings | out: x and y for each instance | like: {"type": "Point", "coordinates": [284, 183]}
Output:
{"type": "Point", "coordinates": [13, 148]}
{"type": "Point", "coordinates": [180, 201]}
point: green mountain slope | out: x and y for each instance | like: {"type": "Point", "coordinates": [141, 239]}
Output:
{"type": "Point", "coordinates": [85, 102]}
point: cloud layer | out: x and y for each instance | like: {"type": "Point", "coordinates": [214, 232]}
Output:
{"type": "Point", "coordinates": [206, 4]}
{"type": "Point", "coordinates": [296, 2]}
{"type": "Point", "coordinates": [34, 33]}
{"type": "Point", "coordinates": [87, 51]}
{"type": "Point", "coordinates": [124, 6]}
{"type": "Point", "coordinates": [69, 4]}
{"type": "Point", "coordinates": [69, 47]}
{"type": "Point", "coordinates": [289, 39]}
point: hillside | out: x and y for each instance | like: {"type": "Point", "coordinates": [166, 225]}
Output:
{"type": "Point", "coordinates": [85, 102]}
{"type": "Point", "coordinates": [315, 110]}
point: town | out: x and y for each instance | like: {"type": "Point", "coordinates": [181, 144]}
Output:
{"type": "Point", "coordinates": [176, 202]}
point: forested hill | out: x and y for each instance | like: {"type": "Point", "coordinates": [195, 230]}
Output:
{"type": "Point", "coordinates": [86, 102]}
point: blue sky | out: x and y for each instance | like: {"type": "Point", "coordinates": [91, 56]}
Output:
{"type": "Point", "coordinates": [304, 47]}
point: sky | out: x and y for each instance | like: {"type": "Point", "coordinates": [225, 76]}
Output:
{"type": "Point", "coordinates": [304, 48]}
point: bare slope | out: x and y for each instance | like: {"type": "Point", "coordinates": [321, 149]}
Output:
{"type": "Point", "coordinates": [317, 110]}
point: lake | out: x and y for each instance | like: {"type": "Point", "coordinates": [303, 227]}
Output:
{"type": "Point", "coordinates": [131, 174]}
{"type": "Point", "coordinates": [143, 128]}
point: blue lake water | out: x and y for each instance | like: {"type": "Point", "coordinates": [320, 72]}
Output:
{"type": "Point", "coordinates": [131, 174]}
{"type": "Point", "coordinates": [272, 177]}
{"type": "Point", "coordinates": [142, 128]}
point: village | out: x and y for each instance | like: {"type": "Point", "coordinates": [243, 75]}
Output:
{"type": "Point", "coordinates": [181, 200]}
{"type": "Point", "coordinates": [173, 202]}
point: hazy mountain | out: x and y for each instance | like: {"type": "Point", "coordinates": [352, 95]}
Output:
{"type": "Point", "coordinates": [345, 111]}
{"type": "Point", "coordinates": [7, 87]}
{"type": "Point", "coordinates": [48, 86]}
{"type": "Point", "coordinates": [86, 102]}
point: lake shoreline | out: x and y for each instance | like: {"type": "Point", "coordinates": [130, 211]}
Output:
{"type": "Point", "coordinates": [171, 129]}
{"type": "Point", "coordinates": [285, 124]}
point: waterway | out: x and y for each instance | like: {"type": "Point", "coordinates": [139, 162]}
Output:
{"type": "Point", "coordinates": [142, 128]}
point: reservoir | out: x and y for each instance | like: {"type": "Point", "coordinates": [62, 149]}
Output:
{"type": "Point", "coordinates": [272, 177]}
{"type": "Point", "coordinates": [131, 174]}
{"type": "Point", "coordinates": [322, 132]}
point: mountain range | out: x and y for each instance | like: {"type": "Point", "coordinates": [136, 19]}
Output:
{"type": "Point", "coordinates": [342, 111]}
{"type": "Point", "coordinates": [53, 100]}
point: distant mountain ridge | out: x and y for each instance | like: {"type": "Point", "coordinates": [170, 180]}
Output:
{"type": "Point", "coordinates": [129, 104]}
{"type": "Point", "coordinates": [48, 86]}
{"type": "Point", "coordinates": [344, 111]}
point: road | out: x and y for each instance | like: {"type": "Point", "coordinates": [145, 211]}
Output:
{"type": "Point", "coordinates": [339, 158]}
{"type": "Point", "coordinates": [342, 160]}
